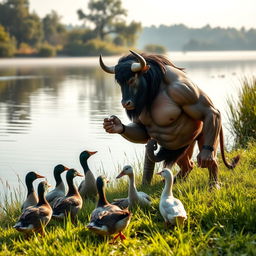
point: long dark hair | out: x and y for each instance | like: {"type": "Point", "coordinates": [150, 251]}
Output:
{"type": "Point", "coordinates": [149, 81]}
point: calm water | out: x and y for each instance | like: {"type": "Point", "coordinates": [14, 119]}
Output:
{"type": "Point", "coordinates": [52, 109]}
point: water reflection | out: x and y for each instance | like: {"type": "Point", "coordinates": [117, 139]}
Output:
{"type": "Point", "coordinates": [50, 113]}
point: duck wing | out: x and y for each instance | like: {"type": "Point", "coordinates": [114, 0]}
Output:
{"type": "Point", "coordinates": [35, 216]}
{"type": "Point", "coordinates": [110, 222]}
{"type": "Point", "coordinates": [144, 195]}
{"type": "Point", "coordinates": [54, 195]}
{"type": "Point", "coordinates": [123, 203]}
{"type": "Point", "coordinates": [65, 204]}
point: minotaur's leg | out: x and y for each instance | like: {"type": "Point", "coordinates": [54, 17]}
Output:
{"type": "Point", "coordinates": [213, 176]}
{"type": "Point", "coordinates": [148, 170]}
{"type": "Point", "coordinates": [185, 163]}
{"type": "Point", "coordinates": [213, 168]}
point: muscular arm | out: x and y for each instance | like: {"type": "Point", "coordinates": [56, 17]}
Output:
{"type": "Point", "coordinates": [134, 132]}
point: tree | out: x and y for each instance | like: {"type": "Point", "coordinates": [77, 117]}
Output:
{"type": "Point", "coordinates": [103, 15]}
{"type": "Point", "coordinates": [25, 27]}
{"type": "Point", "coordinates": [54, 31]}
{"type": "Point", "coordinates": [7, 44]}
{"type": "Point", "coordinates": [128, 32]}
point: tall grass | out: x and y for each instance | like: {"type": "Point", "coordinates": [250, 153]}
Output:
{"type": "Point", "coordinates": [219, 222]}
{"type": "Point", "coordinates": [242, 115]}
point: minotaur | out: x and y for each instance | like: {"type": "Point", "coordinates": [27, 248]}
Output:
{"type": "Point", "coordinates": [167, 109]}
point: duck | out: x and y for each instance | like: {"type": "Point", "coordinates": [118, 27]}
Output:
{"type": "Point", "coordinates": [32, 198]}
{"type": "Point", "coordinates": [59, 190]}
{"type": "Point", "coordinates": [87, 187]}
{"type": "Point", "coordinates": [171, 208]}
{"type": "Point", "coordinates": [72, 202]}
{"type": "Point", "coordinates": [135, 198]}
{"type": "Point", "coordinates": [35, 218]}
{"type": "Point", "coordinates": [108, 219]}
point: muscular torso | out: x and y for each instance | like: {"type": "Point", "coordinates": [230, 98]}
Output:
{"type": "Point", "coordinates": [167, 122]}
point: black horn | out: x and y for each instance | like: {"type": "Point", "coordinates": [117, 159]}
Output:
{"type": "Point", "coordinates": [110, 70]}
{"type": "Point", "coordinates": [136, 67]}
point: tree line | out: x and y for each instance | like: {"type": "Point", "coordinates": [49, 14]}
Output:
{"type": "Point", "coordinates": [182, 38]}
{"type": "Point", "coordinates": [105, 30]}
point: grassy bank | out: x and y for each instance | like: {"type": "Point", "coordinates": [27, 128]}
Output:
{"type": "Point", "coordinates": [219, 223]}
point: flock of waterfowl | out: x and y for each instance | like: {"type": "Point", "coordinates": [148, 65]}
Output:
{"type": "Point", "coordinates": [107, 218]}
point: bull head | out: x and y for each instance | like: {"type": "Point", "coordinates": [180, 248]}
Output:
{"type": "Point", "coordinates": [135, 67]}
{"type": "Point", "coordinates": [129, 75]}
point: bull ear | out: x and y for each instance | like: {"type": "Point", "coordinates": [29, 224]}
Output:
{"type": "Point", "coordinates": [136, 67]}
{"type": "Point", "coordinates": [110, 70]}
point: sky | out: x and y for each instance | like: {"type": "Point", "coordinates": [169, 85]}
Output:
{"type": "Point", "coordinates": [193, 13]}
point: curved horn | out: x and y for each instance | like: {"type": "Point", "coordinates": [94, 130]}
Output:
{"type": "Point", "coordinates": [107, 69]}
{"type": "Point", "coordinates": [136, 67]}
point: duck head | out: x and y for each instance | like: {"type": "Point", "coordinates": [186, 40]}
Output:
{"type": "Point", "coordinates": [59, 169]}
{"type": "Point", "coordinates": [43, 186]}
{"type": "Point", "coordinates": [101, 182]}
{"type": "Point", "coordinates": [84, 157]}
{"type": "Point", "coordinates": [86, 154]}
{"type": "Point", "coordinates": [31, 176]}
{"type": "Point", "coordinates": [127, 170]}
{"type": "Point", "coordinates": [166, 174]}
{"type": "Point", "coordinates": [72, 173]}
{"type": "Point", "coordinates": [41, 190]}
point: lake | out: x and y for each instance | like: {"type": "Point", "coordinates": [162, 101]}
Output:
{"type": "Point", "coordinates": [52, 109]}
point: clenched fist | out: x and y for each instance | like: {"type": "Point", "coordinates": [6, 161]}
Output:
{"type": "Point", "coordinates": [113, 125]}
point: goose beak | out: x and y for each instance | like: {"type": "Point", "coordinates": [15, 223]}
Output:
{"type": "Point", "coordinates": [92, 152]}
{"type": "Point", "coordinates": [39, 176]}
{"type": "Point", "coordinates": [121, 174]}
{"type": "Point", "coordinates": [66, 168]}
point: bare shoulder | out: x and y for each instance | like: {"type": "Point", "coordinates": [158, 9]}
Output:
{"type": "Point", "coordinates": [180, 88]}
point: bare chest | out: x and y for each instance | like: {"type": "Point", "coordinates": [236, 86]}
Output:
{"type": "Point", "coordinates": [163, 112]}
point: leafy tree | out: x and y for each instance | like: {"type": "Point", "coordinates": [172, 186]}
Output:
{"type": "Point", "coordinates": [25, 27]}
{"type": "Point", "coordinates": [128, 32]}
{"type": "Point", "coordinates": [54, 31]}
{"type": "Point", "coordinates": [104, 15]}
{"type": "Point", "coordinates": [7, 44]}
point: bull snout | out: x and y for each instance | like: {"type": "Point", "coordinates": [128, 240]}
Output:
{"type": "Point", "coordinates": [127, 104]}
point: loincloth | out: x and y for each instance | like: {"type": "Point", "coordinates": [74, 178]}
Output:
{"type": "Point", "coordinates": [170, 156]}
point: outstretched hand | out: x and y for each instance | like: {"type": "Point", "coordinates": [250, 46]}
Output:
{"type": "Point", "coordinates": [113, 125]}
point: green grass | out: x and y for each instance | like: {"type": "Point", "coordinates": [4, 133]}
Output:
{"type": "Point", "coordinates": [219, 222]}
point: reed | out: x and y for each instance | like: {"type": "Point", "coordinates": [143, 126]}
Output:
{"type": "Point", "coordinates": [242, 115]}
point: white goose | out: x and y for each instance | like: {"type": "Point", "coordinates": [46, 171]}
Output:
{"type": "Point", "coordinates": [134, 197]}
{"type": "Point", "coordinates": [170, 207]}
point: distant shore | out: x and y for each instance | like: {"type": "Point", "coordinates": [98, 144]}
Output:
{"type": "Point", "coordinates": [94, 61]}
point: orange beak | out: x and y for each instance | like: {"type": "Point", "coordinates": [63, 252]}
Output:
{"type": "Point", "coordinates": [80, 175]}
{"type": "Point", "coordinates": [66, 168]}
{"type": "Point", "coordinates": [92, 152]}
{"type": "Point", "coordinates": [121, 174]}
{"type": "Point", "coordinates": [39, 176]}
